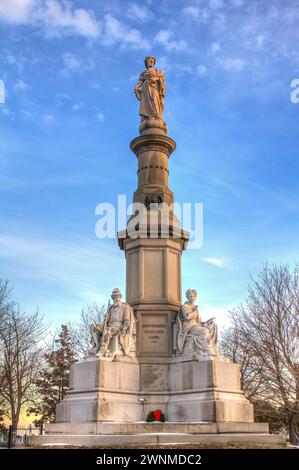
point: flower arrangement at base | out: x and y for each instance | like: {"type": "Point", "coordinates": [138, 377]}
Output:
{"type": "Point", "coordinates": [155, 415]}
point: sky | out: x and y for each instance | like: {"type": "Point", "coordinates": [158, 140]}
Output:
{"type": "Point", "coordinates": [69, 69]}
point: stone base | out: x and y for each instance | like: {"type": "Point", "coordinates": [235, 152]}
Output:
{"type": "Point", "coordinates": [105, 428]}
{"type": "Point", "coordinates": [147, 434]}
{"type": "Point", "coordinates": [126, 389]}
{"type": "Point", "coordinates": [109, 399]}
{"type": "Point", "coordinates": [152, 126]}
{"type": "Point", "coordinates": [102, 390]}
{"type": "Point", "coordinates": [189, 390]}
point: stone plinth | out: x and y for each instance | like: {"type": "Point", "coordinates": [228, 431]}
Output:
{"type": "Point", "coordinates": [207, 390]}
{"type": "Point", "coordinates": [148, 434]}
{"type": "Point", "coordinates": [102, 390]}
{"type": "Point", "coordinates": [153, 271]}
{"type": "Point", "coordinates": [154, 291]}
{"type": "Point", "coordinates": [159, 428]}
{"type": "Point", "coordinates": [192, 391]}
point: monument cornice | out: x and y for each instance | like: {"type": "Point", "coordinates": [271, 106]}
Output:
{"type": "Point", "coordinates": [125, 242]}
{"type": "Point", "coordinates": [167, 392]}
{"type": "Point", "coordinates": [152, 142]}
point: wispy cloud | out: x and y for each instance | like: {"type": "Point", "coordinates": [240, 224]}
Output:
{"type": "Point", "coordinates": [221, 314]}
{"type": "Point", "coordinates": [219, 262]}
{"type": "Point", "coordinates": [100, 116]}
{"type": "Point", "coordinates": [53, 16]}
{"type": "Point", "coordinates": [192, 10]}
{"type": "Point", "coordinates": [72, 64]}
{"type": "Point", "coordinates": [12, 59]}
{"type": "Point", "coordinates": [139, 12]}
{"type": "Point", "coordinates": [201, 70]}
{"type": "Point", "coordinates": [62, 96]}
{"type": "Point", "coordinates": [196, 13]}
{"type": "Point", "coordinates": [215, 47]}
{"type": "Point", "coordinates": [2, 92]}
{"type": "Point", "coordinates": [48, 119]}
{"type": "Point", "coordinates": [237, 3]}
{"type": "Point", "coordinates": [77, 106]}
{"type": "Point", "coordinates": [165, 38]}
{"type": "Point", "coordinates": [70, 61]}
{"type": "Point", "coordinates": [231, 64]}
{"type": "Point", "coordinates": [61, 17]}
{"type": "Point", "coordinates": [95, 85]}
{"type": "Point", "coordinates": [20, 85]}
{"type": "Point", "coordinates": [74, 264]}
{"type": "Point", "coordinates": [12, 183]}
{"type": "Point", "coordinates": [7, 112]}
{"type": "Point", "coordinates": [216, 4]}
{"type": "Point", "coordinates": [115, 31]}
{"type": "Point", "coordinates": [17, 11]}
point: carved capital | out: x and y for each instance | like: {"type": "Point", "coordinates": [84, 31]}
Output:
{"type": "Point", "coordinates": [153, 142]}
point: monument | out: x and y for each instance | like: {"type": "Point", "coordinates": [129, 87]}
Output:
{"type": "Point", "coordinates": [153, 352]}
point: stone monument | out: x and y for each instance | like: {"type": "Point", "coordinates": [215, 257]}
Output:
{"type": "Point", "coordinates": [152, 351]}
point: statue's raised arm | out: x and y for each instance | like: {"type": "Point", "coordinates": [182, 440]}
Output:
{"type": "Point", "coordinates": [150, 91]}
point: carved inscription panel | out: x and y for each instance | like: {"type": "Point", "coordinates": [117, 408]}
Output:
{"type": "Point", "coordinates": [154, 334]}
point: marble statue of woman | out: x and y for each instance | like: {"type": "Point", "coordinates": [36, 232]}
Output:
{"type": "Point", "coordinates": [193, 335]}
{"type": "Point", "coordinates": [150, 91]}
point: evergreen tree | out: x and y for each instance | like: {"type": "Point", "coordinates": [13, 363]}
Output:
{"type": "Point", "coordinates": [54, 378]}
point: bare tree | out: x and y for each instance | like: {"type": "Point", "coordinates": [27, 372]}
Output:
{"type": "Point", "coordinates": [232, 347]}
{"type": "Point", "coordinates": [80, 331]}
{"type": "Point", "coordinates": [6, 305]}
{"type": "Point", "coordinates": [21, 336]}
{"type": "Point", "coordinates": [264, 337]}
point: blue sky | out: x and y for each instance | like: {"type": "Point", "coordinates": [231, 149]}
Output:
{"type": "Point", "coordinates": [69, 115]}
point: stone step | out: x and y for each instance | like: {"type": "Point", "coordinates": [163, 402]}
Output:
{"type": "Point", "coordinates": [161, 428]}
{"type": "Point", "coordinates": [156, 439]}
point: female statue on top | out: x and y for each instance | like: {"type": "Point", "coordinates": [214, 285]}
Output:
{"type": "Point", "coordinates": [150, 91]}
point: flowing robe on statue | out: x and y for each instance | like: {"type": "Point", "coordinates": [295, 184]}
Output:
{"type": "Point", "coordinates": [152, 94]}
{"type": "Point", "coordinates": [190, 326]}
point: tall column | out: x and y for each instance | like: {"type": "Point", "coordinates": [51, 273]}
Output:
{"type": "Point", "coordinates": [153, 260]}
{"type": "Point", "coordinates": [153, 265]}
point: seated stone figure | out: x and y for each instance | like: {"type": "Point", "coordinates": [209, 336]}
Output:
{"type": "Point", "coordinates": [117, 334]}
{"type": "Point", "coordinates": [191, 335]}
